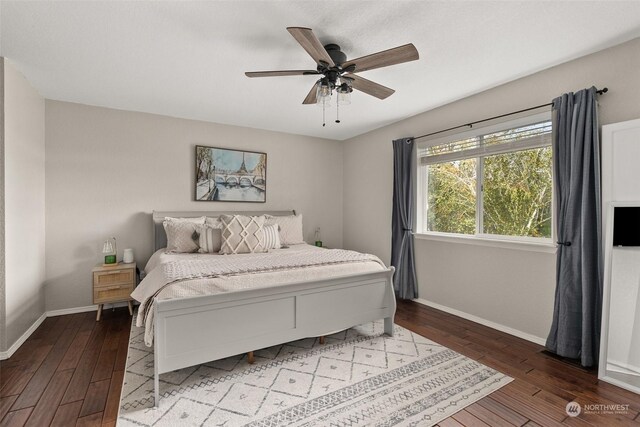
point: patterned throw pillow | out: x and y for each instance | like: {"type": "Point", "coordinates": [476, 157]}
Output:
{"type": "Point", "coordinates": [210, 238]}
{"type": "Point", "coordinates": [180, 236]}
{"type": "Point", "coordinates": [242, 234]}
{"type": "Point", "coordinates": [271, 237]}
{"type": "Point", "coordinates": [290, 228]}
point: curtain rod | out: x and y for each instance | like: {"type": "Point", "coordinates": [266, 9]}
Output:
{"type": "Point", "coordinates": [599, 92]}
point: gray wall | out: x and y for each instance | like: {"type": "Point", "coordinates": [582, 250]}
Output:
{"type": "Point", "coordinates": [107, 169]}
{"type": "Point", "coordinates": [3, 317]}
{"type": "Point", "coordinates": [512, 288]}
{"type": "Point", "coordinates": [24, 210]}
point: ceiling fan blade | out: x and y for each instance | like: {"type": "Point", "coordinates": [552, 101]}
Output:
{"type": "Point", "coordinates": [397, 55]}
{"type": "Point", "coordinates": [312, 95]}
{"type": "Point", "coordinates": [280, 73]}
{"type": "Point", "coordinates": [311, 44]}
{"type": "Point", "coordinates": [369, 87]}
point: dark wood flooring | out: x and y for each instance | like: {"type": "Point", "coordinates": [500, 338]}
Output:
{"type": "Point", "coordinates": [69, 372]}
{"type": "Point", "coordinates": [542, 386]}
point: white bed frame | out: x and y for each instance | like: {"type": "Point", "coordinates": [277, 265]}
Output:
{"type": "Point", "coordinates": [190, 331]}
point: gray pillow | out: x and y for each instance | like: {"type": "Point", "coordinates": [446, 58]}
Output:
{"type": "Point", "coordinates": [290, 228]}
{"type": "Point", "coordinates": [180, 236]}
{"type": "Point", "coordinates": [198, 220]}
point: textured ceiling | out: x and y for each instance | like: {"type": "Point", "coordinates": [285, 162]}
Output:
{"type": "Point", "coordinates": [187, 59]}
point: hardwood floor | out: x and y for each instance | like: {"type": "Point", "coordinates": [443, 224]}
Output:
{"type": "Point", "coordinates": [70, 371]}
{"type": "Point", "coordinates": [542, 386]}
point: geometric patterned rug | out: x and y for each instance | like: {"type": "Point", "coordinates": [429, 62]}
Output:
{"type": "Point", "coordinates": [359, 377]}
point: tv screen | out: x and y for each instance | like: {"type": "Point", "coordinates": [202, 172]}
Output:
{"type": "Point", "coordinates": [626, 226]}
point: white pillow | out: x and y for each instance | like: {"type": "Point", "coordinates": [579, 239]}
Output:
{"type": "Point", "coordinates": [242, 234]}
{"type": "Point", "coordinates": [198, 220]}
{"type": "Point", "coordinates": [210, 238]}
{"type": "Point", "coordinates": [290, 228]}
{"type": "Point", "coordinates": [271, 237]}
{"type": "Point", "coordinates": [180, 236]}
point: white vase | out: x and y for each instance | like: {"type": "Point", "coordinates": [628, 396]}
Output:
{"type": "Point", "coordinates": [128, 256]}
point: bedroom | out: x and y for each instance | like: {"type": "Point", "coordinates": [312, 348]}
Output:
{"type": "Point", "coordinates": [103, 130]}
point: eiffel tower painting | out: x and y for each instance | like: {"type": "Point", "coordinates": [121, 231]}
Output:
{"type": "Point", "coordinates": [243, 168]}
{"type": "Point", "coordinates": [225, 175]}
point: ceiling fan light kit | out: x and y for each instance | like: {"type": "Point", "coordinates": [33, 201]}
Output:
{"type": "Point", "coordinates": [338, 73]}
{"type": "Point", "coordinates": [344, 94]}
{"type": "Point", "coordinates": [323, 92]}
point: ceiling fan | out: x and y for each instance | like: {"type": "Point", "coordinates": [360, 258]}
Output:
{"type": "Point", "coordinates": [337, 72]}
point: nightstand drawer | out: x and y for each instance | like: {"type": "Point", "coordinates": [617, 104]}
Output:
{"type": "Point", "coordinates": [115, 277]}
{"type": "Point", "coordinates": [109, 293]}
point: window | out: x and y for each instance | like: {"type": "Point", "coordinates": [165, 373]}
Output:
{"type": "Point", "coordinates": [490, 182]}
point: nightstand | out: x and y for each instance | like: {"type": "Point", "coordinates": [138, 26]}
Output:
{"type": "Point", "coordinates": [113, 284]}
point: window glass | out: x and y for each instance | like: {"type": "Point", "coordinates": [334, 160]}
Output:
{"type": "Point", "coordinates": [451, 205]}
{"type": "Point", "coordinates": [497, 182]}
{"type": "Point", "coordinates": [517, 192]}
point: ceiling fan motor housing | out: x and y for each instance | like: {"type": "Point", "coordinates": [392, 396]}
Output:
{"type": "Point", "coordinates": [331, 74]}
{"type": "Point", "coordinates": [335, 53]}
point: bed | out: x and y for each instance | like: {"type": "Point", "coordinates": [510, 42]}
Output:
{"type": "Point", "coordinates": [194, 329]}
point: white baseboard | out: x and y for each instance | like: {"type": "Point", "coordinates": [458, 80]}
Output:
{"type": "Point", "coordinates": [622, 367]}
{"type": "Point", "coordinates": [52, 313]}
{"type": "Point", "coordinates": [74, 310]}
{"type": "Point", "coordinates": [485, 322]}
{"type": "Point", "coordinates": [16, 345]}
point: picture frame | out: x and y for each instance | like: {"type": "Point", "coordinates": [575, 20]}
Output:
{"type": "Point", "coordinates": [229, 175]}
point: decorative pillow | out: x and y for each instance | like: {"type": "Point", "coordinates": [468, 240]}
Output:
{"type": "Point", "coordinates": [290, 228]}
{"type": "Point", "coordinates": [180, 236]}
{"type": "Point", "coordinates": [271, 237]}
{"type": "Point", "coordinates": [210, 238]}
{"type": "Point", "coordinates": [213, 221]}
{"type": "Point", "coordinates": [198, 220]}
{"type": "Point", "coordinates": [242, 234]}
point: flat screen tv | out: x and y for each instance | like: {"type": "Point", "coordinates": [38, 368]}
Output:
{"type": "Point", "coordinates": [626, 226]}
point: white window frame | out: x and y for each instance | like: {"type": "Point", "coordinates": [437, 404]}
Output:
{"type": "Point", "coordinates": [538, 244]}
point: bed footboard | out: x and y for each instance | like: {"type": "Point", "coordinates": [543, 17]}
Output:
{"type": "Point", "coordinates": [190, 331]}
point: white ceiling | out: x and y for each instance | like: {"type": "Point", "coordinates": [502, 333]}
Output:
{"type": "Point", "coordinates": [187, 59]}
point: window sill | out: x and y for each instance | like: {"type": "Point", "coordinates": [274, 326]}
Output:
{"type": "Point", "coordinates": [483, 241]}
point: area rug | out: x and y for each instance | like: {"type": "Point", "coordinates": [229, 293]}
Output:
{"type": "Point", "coordinates": [359, 377]}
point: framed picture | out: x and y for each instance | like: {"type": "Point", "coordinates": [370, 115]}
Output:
{"type": "Point", "coordinates": [224, 175]}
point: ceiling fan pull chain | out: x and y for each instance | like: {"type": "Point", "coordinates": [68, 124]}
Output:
{"type": "Point", "coordinates": [337, 108]}
{"type": "Point", "coordinates": [324, 106]}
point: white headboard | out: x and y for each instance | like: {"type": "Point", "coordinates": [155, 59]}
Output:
{"type": "Point", "coordinates": [160, 237]}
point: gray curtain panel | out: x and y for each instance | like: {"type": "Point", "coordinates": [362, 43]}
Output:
{"type": "Point", "coordinates": [402, 252]}
{"type": "Point", "coordinates": [575, 331]}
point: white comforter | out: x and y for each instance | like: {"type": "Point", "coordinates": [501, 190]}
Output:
{"type": "Point", "coordinates": [154, 284]}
